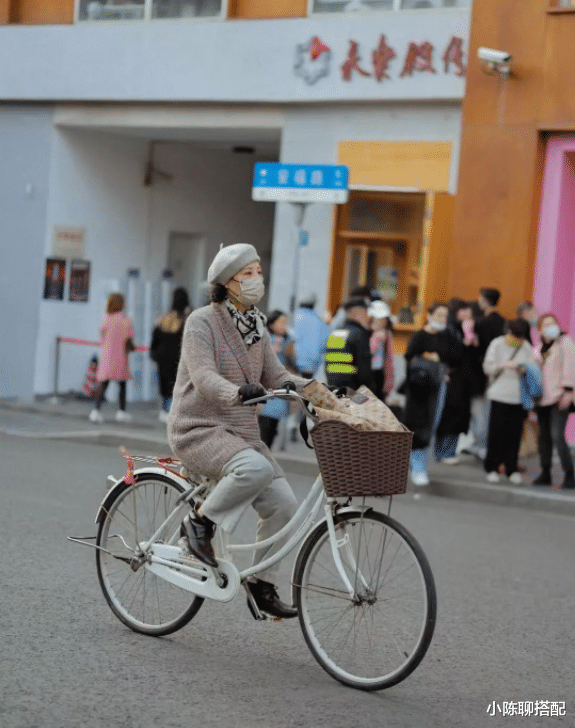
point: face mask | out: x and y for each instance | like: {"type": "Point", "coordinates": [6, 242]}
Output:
{"type": "Point", "coordinates": [551, 332]}
{"type": "Point", "coordinates": [437, 326]}
{"type": "Point", "coordinates": [251, 290]}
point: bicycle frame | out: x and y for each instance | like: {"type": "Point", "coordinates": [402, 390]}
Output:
{"type": "Point", "coordinates": [161, 558]}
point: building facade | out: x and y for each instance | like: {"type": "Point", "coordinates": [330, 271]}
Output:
{"type": "Point", "coordinates": [515, 209]}
{"type": "Point", "coordinates": [128, 136]}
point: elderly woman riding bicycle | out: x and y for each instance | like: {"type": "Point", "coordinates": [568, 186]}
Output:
{"type": "Point", "coordinates": [226, 360]}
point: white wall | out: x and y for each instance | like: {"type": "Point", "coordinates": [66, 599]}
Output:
{"type": "Point", "coordinates": [96, 183]}
{"type": "Point", "coordinates": [25, 140]}
{"type": "Point", "coordinates": [241, 61]}
{"type": "Point", "coordinates": [311, 135]}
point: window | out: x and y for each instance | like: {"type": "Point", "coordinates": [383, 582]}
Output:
{"type": "Point", "coordinates": [101, 10]}
{"type": "Point", "coordinates": [362, 6]}
{"type": "Point", "coordinates": [562, 4]}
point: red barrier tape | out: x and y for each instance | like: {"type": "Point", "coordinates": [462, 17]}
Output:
{"type": "Point", "coordinates": [85, 342]}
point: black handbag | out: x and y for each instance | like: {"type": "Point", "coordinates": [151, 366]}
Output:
{"type": "Point", "coordinates": [425, 373]}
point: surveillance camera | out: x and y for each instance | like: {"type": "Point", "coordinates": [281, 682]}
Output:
{"type": "Point", "coordinates": [490, 55]}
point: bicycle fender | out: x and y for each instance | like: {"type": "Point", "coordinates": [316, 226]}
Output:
{"type": "Point", "coordinates": [120, 484]}
{"type": "Point", "coordinates": [319, 524]}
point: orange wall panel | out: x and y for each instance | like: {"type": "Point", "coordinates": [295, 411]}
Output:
{"type": "Point", "coordinates": [516, 26]}
{"type": "Point", "coordinates": [440, 239]}
{"type": "Point", "coordinates": [267, 9]}
{"type": "Point", "coordinates": [4, 12]}
{"type": "Point", "coordinates": [45, 12]}
{"type": "Point", "coordinates": [493, 221]}
{"type": "Point", "coordinates": [558, 97]}
{"type": "Point", "coordinates": [424, 165]}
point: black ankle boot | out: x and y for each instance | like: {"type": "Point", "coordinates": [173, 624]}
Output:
{"type": "Point", "coordinates": [266, 597]}
{"type": "Point", "coordinates": [199, 532]}
{"type": "Point", "coordinates": [544, 478]}
{"type": "Point", "coordinates": [569, 481]}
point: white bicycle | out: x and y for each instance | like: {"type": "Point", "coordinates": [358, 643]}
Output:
{"type": "Point", "coordinates": [362, 585]}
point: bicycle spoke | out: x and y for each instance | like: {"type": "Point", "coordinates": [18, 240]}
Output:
{"type": "Point", "coordinates": [375, 638]}
{"type": "Point", "coordinates": [142, 599]}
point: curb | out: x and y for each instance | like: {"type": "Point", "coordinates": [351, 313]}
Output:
{"type": "Point", "coordinates": [33, 410]}
{"type": "Point", "coordinates": [551, 501]}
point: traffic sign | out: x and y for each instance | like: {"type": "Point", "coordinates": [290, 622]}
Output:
{"type": "Point", "coordinates": [277, 182]}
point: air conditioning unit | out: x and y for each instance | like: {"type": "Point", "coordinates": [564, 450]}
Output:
{"type": "Point", "coordinates": [422, 4]}
{"type": "Point", "coordinates": [352, 5]}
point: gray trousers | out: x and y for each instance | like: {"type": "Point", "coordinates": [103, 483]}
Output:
{"type": "Point", "coordinates": [479, 425]}
{"type": "Point", "coordinates": [248, 479]}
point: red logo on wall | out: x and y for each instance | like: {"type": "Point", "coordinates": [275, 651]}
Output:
{"type": "Point", "coordinates": [313, 60]}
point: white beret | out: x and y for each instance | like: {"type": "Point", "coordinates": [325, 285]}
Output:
{"type": "Point", "coordinates": [231, 260]}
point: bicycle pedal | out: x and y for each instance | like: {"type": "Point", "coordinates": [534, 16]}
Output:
{"type": "Point", "coordinates": [258, 615]}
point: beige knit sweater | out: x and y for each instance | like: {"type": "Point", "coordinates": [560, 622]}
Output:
{"type": "Point", "coordinates": [207, 424]}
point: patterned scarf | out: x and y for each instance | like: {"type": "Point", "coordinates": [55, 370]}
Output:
{"type": "Point", "coordinates": [250, 324]}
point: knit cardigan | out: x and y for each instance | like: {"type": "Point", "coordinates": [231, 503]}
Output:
{"type": "Point", "coordinates": [558, 370]}
{"type": "Point", "coordinates": [207, 424]}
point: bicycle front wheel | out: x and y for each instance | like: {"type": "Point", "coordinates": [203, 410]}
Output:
{"type": "Point", "coordinates": [378, 637]}
{"type": "Point", "coordinates": [140, 599]}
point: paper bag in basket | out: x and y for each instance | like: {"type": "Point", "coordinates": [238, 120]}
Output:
{"type": "Point", "coordinates": [364, 410]}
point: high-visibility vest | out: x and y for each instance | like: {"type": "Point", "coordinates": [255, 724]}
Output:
{"type": "Point", "coordinates": [338, 359]}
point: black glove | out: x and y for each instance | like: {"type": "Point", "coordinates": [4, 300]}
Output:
{"type": "Point", "coordinates": [251, 391]}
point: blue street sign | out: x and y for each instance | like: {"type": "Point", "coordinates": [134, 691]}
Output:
{"type": "Point", "coordinates": [277, 182]}
{"type": "Point", "coordinates": [303, 237]}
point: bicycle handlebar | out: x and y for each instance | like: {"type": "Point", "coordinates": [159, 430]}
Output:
{"type": "Point", "coordinates": [285, 394]}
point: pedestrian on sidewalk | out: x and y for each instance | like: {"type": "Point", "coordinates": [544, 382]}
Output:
{"type": "Point", "coordinates": [527, 311]}
{"type": "Point", "coordinates": [117, 332]}
{"type": "Point", "coordinates": [432, 353]}
{"type": "Point", "coordinates": [556, 356]}
{"type": "Point", "coordinates": [462, 382]}
{"type": "Point", "coordinates": [310, 333]}
{"type": "Point", "coordinates": [348, 356]}
{"type": "Point", "coordinates": [275, 410]}
{"type": "Point", "coordinates": [166, 345]}
{"type": "Point", "coordinates": [504, 363]}
{"type": "Point", "coordinates": [381, 347]}
{"type": "Point", "coordinates": [364, 292]}
{"type": "Point", "coordinates": [487, 328]}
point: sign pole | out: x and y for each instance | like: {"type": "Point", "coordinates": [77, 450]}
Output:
{"type": "Point", "coordinates": [299, 209]}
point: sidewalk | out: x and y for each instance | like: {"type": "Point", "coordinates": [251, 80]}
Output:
{"type": "Point", "coordinates": [67, 419]}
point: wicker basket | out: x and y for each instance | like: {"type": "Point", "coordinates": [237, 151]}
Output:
{"type": "Point", "coordinates": [354, 462]}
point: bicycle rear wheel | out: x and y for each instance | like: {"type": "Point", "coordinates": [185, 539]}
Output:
{"type": "Point", "coordinates": [140, 599]}
{"type": "Point", "coordinates": [376, 639]}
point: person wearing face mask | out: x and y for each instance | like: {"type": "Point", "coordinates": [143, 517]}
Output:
{"type": "Point", "coordinates": [504, 363]}
{"type": "Point", "coordinates": [431, 354]}
{"type": "Point", "coordinates": [556, 356]}
{"type": "Point", "coordinates": [527, 311]}
{"type": "Point", "coordinates": [227, 359]}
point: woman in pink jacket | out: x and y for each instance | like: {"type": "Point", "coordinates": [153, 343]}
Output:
{"type": "Point", "coordinates": [117, 340]}
{"type": "Point", "coordinates": [381, 346]}
{"type": "Point", "coordinates": [556, 356]}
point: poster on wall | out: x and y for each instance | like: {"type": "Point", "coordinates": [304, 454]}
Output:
{"type": "Point", "coordinates": [79, 280]}
{"type": "Point", "coordinates": [68, 241]}
{"type": "Point", "coordinates": [387, 278]}
{"type": "Point", "coordinates": [54, 279]}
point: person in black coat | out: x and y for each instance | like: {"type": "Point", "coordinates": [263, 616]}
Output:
{"type": "Point", "coordinates": [432, 353]}
{"type": "Point", "coordinates": [465, 381]}
{"type": "Point", "coordinates": [166, 345]}
{"type": "Point", "coordinates": [348, 357]}
{"type": "Point", "coordinates": [488, 327]}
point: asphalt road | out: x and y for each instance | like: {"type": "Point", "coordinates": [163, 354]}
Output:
{"type": "Point", "coordinates": [504, 576]}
